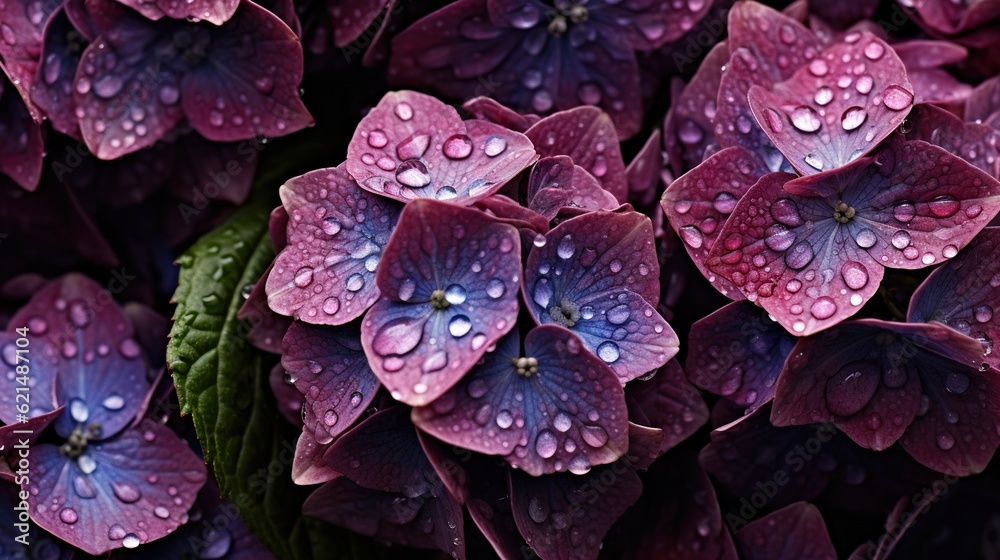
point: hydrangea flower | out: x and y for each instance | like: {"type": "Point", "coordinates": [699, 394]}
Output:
{"type": "Point", "coordinates": [110, 479]}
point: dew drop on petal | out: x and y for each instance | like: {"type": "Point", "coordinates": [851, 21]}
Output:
{"type": "Point", "coordinates": [404, 111]}
{"type": "Point", "coordinates": [956, 383]}
{"type": "Point", "coordinates": [413, 173]}
{"type": "Point", "coordinates": [805, 119]}
{"type": "Point", "coordinates": [458, 146]}
{"type": "Point", "coordinates": [546, 444]}
{"type": "Point", "coordinates": [853, 117]}
{"type": "Point", "coordinates": [944, 206]}
{"type": "Point", "coordinates": [459, 326]}
{"type": "Point", "coordinates": [608, 351]}
{"type": "Point", "coordinates": [68, 516]}
{"type": "Point", "coordinates": [455, 294]}
{"type": "Point", "coordinates": [494, 146]}
{"type": "Point", "coordinates": [904, 212]}
{"type": "Point", "coordinates": [866, 239]}
{"type": "Point", "coordinates": [874, 50]}
{"type": "Point", "coordinates": [113, 402]}
{"type": "Point", "coordinates": [130, 541]}
{"type": "Point", "coordinates": [945, 441]}
{"type": "Point", "coordinates": [823, 308]}
{"type": "Point", "coordinates": [897, 98]}
{"type": "Point", "coordinates": [854, 274]}
{"type": "Point", "coordinates": [566, 247]}
{"type": "Point", "coordinates": [692, 236]}
{"type": "Point", "coordinates": [377, 139]}
{"type": "Point", "coordinates": [823, 95]}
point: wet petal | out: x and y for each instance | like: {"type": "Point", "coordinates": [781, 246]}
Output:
{"type": "Point", "coordinates": [670, 403]}
{"type": "Point", "coordinates": [800, 535]}
{"type": "Point", "coordinates": [555, 183]}
{"type": "Point", "coordinates": [215, 11]}
{"type": "Point", "coordinates": [21, 136]}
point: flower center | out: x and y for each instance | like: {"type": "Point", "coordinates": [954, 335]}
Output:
{"type": "Point", "coordinates": [842, 212]}
{"type": "Point", "coordinates": [439, 300]}
{"type": "Point", "coordinates": [78, 440]}
{"type": "Point", "coordinates": [526, 367]}
{"type": "Point", "coordinates": [566, 314]}
{"type": "Point", "coordinates": [564, 16]}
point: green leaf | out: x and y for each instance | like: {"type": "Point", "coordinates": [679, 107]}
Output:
{"type": "Point", "coordinates": [222, 381]}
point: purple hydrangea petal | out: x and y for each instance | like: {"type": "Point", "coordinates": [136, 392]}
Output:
{"type": "Point", "coordinates": [597, 274]}
{"type": "Point", "coordinates": [643, 172]}
{"type": "Point", "coordinates": [122, 492]}
{"type": "Point", "coordinates": [329, 368]}
{"type": "Point", "coordinates": [670, 403]}
{"type": "Point", "coordinates": [39, 381]}
{"type": "Point", "coordinates": [542, 431]}
{"type": "Point", "coordinates": [21, 40]}
{"type": "Point", "coordinates": [52, 90]}
{"type": "Point", "coordinates": [983, 105]}
{"type": "Point", "coordinates": [963, 292]}
{"type": "Point", "coordinates": [351, 19]}
{"type": "Point", "coordinates": [308, 466]}
{"type": "Point", "coordinates": [259, 95]}
{"type": "Point", "coordinates": [587, 135]}
{"type": "Point", "coordinates": [419, 522]}
{"type": "Point", "coordinates": [738, 352]}
{"type": "Point", "coordinates": [838, 107]}
{"type": "Point", "coordinates": [268, 327]}
{"type": "Point", "coordinates": [949, 18]}
{"type": "Point", "coordinates": [885, 211]}
{"type": "Point", "coordinates": [555, 183]}
{"type": "Point", "coordinates": [975, 143]}
{"type": "Point", "coordinates": [336, 240]}
{"type": "Point", "coordinates": [699, 202]}
{"type": "Point", "coordinates": [223, 168]}
{"type": "Point", "coordinates": [214, 11]}
{"type": "Point", "coordinates": [688, 131]}
{"type": "Point", "coordinates": [489, 109]}
{"type": "Point", "coordinates": [21, 158]}
{"type": "Point", "coordinates": [548, 513]}
{"type": "Point", "coordinates": [413, 146]}
{"type": "Point", "coordinates": [644, 445]}
{"type": "Point", "coordinates": [450, 280]}
{"type": "Point", "coordinates": [288, 399]}
{"type": "Point", "coordinates": [684, 525]}
{"type": "Point", "coordinates": [510, 212]}
{"type": "Point", "coordinates": [649, 25]}
{"type": "Point", "coordinates": [795, 532]}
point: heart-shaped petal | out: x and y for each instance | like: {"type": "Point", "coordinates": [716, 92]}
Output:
{"type": "Point", "coordinates": [670, 403]}
{"type": "Point", "coordinates": [556, 182]}
{"type": "Point", "coordinates": [336, 238]}
{"type": "Point", "coordinates": [414, 146]}
{"type": "Point", "coordinates": [552, 409]}
{"type": "Point", "coordinates": [449, 284]}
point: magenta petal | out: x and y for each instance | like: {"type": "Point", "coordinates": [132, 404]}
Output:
{"type": "Point", "coordinates": [699, 202]}
{"type": "Point", "coordinates": [329, 368]}
{"type": "Point", "coordinates": [552, 519]}
{"type": "Point", "coordinates": [670, 403]}
{"type": "Point", "coordinates": [258, 94]}
{"type": "Point", "coordinates": [352, 18]}
{"type": "Point", "coordinates": [643, 172]}
{"type": "Point", "coordinates": [587, 135]}
{"type": "Point", "coordinates": [542, 432]}
{"type": "Point", "coordinates": [132, 489]}
{"type": "Point", "coordinates": [555, 183]}
{"type": "Point", "coordinates": [838, 107]}
{"type": "Point", "coordinates": [21, 39]}
{"type": "Point", "coordinates": [215, 11]}
{"type": "Point", "coordinates": [983, 105]}
{"type": "Point", "coordinates": [795, 532]}
{"type": "Point", "coordinates": [975, 143]}
{"type": "Point", "coordinates": [775, 41]}
{"type": "Point", "coordinates": [598, 275]}
{"type": "Point", "coordinates": [738, 352]}
{"type": "Point", "coordinates": [649, 25]}
{"type": "Point", "coordinates": [413, 146]}
{"type": "Point", "coordinates": [326, 273]}
{"type": "Point", "coordinates": [21, 136]}
{"type": "Point", "coordinates": [450, 278]}
{"type": "Point", "coordinates": [489, 109]}
{"type": "Point", "coordinates": [949, 18]}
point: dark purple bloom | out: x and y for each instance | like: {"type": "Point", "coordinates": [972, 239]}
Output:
{"type": "Point", "coordinates": [116, 480]}
{"type": "Point", "coordinates": [550, 408]}
{"type": "Point", "coordinates": [573, 54]}
{"type": "Point", "coordinates": [597, 275]}
{"type": "Point", "coordinates": [669, 403]}
{"type": "Point", "coordinates": [795, 532]}
{"type": "Point", "coordinates": [812, 250]}
{"type": "Point", "coordinates": [688, 130]}
{"type": "Point", "coordinates": [738, 352]}
{"type": "Point", "coordinates": [139, 79]}
{"type": "Point", "coordinates": [336, 236]}
{"type": "Point", "coordinates": [925, 385]}
{"type": "Point", "coordinates": [414, 146]}
{"type": "Point", "coordinates": [389, 489]}
{"type": "Point", "coordinates": [975, 143]}
{"type": "Point", "coordinates": [449, 283]}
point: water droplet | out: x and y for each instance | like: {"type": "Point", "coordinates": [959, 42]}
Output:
{"type": "Point", "coordinates": [904, 212]}
{"type": "Point", "coordinates": [129, 348]}
{"type": "Point", "coordinates": [692, 236]}
{"type": "Point", "coordinates": [413, 147]}
{"type": "Point", "coordinates": [108, 86]}
{"type": "Point", "coordinates": [562, 422]}
{"type": "Point", "coordinates": [818, 67]}
{"type": "Point", "coordinates": [355, 282]}
{"type": "Point", "coordinates": [945, 441]}
{"type": "Point", "coordinates": [86, 464]}
{"type": "Point", "coordinates": [866, 238]}
{"type": "Point", "coordinates": [874, 50]}
{"type": "Point", "coordinates": [404, 111]}
{"type": "Point", "coordinates": [897, 98]}
{"type": "Point", "coordinates": [546, 444]}
{"type": "Point", "coordinates": [413, 173]}
{"type": "Point", "coordinates": [594, 436]}
{"type": "Point", "coordinates": [377, 139]}
{"type": "Point", "coordinates": [303, 277]}
{"type": "Point", "coordinates": [495, 288]}
{"type": "Point", "coordinates": [126, 492]}
{"type": "Point", "coordinates": [823, 308]}
{"type": "Point", "coordinates": [130, 541]}
{"type": "Point", "coordinates": [854, 274]}
{"type": "Point", "coordinates": [330, 417]}
{"type": "Point", "coordinates": [161, 512]}
{"type": "Point", "coordinates": [459, 326]}
{"type": "Point", "coordinates": [79, 411]}
{"type": "Point", "coordinates": [68, 516]}
{"type": "Point", "coordinates": [778, 238]}
{"type": "Point", "coordinates": [823, 96]}
{"type": "Point", "coordinates": [618, 314]}
{"type": "Point", "coordinates": [799, 256]}
{"type": "Point", "coordinates": [853, 117]}
{"type": "Point", "coordinates": [608, 351]}
{"type": "Point", "coordinates": [566, 247]}
{"type": "Point", "coordinates": [113, 402]}
{"type": "Point", "coordinates": [814, 161]}
{"type": "Point", "coordinates": [690, 133]}
{"type": "Point", "coordinates": [852, 387]}
{"type": "Point", "coordinates": [538, 511]}
{"type": "Point", "coordinates": [786, 212]}
{"type": "Point", "coordinates": [505, 419]}
{"type": "Point", "coordinates": [944, 206]}
{"type": "Point", "coordinates": [724, 203]}
{"type": "Point", "coordinates": [116, 532]}
{"type": "Point", "coordinates": [494, 146]}
{"type": "Point", "coordinates": [864, 84]}
{"type": "Point", "coordinates": [458, 146]}
{"type": "Point", "coordinates": [455, 294]}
